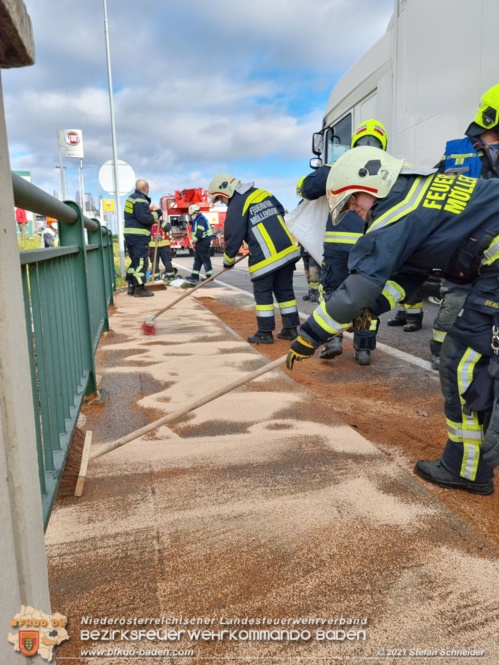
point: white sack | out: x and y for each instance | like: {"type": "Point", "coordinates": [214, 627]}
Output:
{"type": "Point", "coordinates": [307, 222]}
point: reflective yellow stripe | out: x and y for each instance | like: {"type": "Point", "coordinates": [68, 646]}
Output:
{"type": "Point", "coordinates": [322, 318]}
{"type": "Point", "coordinates": [281, 258]}
{"type": "Point", "coordinates": [415, 308]}
{"type": "Point", "coordinates": [438, 335]}
{"type": "Point", "coordinates": [289, 303]}
{"type": "Point", "coordinates": [471, 430]}
{"type": "Point", "coordinates": [393, 292]}
{"type": "Point", "coordinates": [229, 259]}
{"type": "Point", "coordinates": [343, 238]}
{"type": "Point", "coordinates": [267, 239]}
{"type": "Point", "coordinates": [265, 308]}
{"type": "Point", "coordinates": [410, 203]}
{"type": "Point", "coordinates": [255, 197]}
{"type": "Point", "coordinates": [491, 254]}
{"type": "Point", "coordinates": [136, 232]}
{"type": "Point", "coordinates": [283, 224]}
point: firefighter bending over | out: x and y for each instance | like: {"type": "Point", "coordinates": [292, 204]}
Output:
{"type": "Point", "coordinates": [418, 221]}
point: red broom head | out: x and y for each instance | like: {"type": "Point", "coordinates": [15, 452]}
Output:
{"type": "Point", "coordinates": [148, 327]}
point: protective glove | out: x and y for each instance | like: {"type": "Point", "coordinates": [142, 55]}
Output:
{"type": "Point", "coordinates": [301, 349]}
{"type": "Point", "coordinates": [362, 322]}
{"type": "Point", "coordinates": [227, 265]}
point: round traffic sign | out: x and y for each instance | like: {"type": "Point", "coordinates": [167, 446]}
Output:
{"type": "Point", "coordinates": [126, 177]}
{"type": "Point", "coordinates": [72, 138]}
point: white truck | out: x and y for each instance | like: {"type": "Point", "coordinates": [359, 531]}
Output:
{"type": "Point", "coordinates": [423, 80]}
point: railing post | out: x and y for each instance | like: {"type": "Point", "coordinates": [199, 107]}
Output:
{"type": "Point", "coordinates": [95, 238]}
{"type": "Point", "coordinates": [24, 579]}
{"type": "Point", "coordinates": [74, 234]}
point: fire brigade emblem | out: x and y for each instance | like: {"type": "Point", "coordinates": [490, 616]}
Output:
{"type": "Point", "coordinates": [35, 632]}
{"type": "Point", "coordinates": [29, 641]}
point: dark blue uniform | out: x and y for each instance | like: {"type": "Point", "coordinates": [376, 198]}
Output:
{"type": "Point", "coordinates": [426, 222]}
{"type": "Point", "coordinates": [138, 222]}
{"type": "Point", "coordinates": [203, 233]}
{"type": "Point", "coordinates": [257, 218]}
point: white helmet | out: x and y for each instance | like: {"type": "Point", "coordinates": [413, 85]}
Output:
{"type": "Point", "coordinates": [364, 169]}
{"type": "Point", "coordinates": [193, 208]}
{"type": "Point", "coordinates": [222, 185]}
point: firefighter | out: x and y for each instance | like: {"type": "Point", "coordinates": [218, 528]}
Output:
{"type": "Point", "coordinates": [410, 312]}
{"type": "Point", "coordinates": [138, 222]}
{"type": "Point", "coordinates": [257, 217]}
{"type": "Point", "coordinates": [477, 155]}
{"type": "Point", "coordinates": [339, 241]}
{"type": "Point", "coordinates": [160, 234]}
{"type": "Point", "coordinates": [418, 221]}
{"type": "Point", "coordinates": [201, 236]}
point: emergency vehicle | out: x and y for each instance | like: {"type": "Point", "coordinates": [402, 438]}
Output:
{"type": "Point", "coordinates": [176, 209]}
{"type": "Point", "coordinates": [423, 80]}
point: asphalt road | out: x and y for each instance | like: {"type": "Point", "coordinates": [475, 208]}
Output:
{"type": "Point", "coordinates": [416, 344]}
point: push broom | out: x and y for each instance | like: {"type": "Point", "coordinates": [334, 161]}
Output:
{"type": "Point", "coordinates": [75, 471]}
{"type": "Point", "coordinates": [149, 325]}
{"type": "Point", "coordinates": [155, 285]}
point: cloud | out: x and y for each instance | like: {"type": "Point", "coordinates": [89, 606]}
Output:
{"type": "Point", "coordinates": [199, 85]}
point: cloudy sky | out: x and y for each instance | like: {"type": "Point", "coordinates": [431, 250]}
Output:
{"type": "Point", "coordinates": [200, 86]}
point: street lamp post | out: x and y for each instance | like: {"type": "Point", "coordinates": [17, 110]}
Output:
{"type": "Point", "coordinates": [64, 181]}
{"type": "Point", "coordinates": [121, 244]}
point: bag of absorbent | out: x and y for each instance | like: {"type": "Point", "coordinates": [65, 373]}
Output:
{"type": "Point", "coordinates": [307, 222]}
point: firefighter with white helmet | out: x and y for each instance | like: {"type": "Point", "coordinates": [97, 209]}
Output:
{"type": "Point", "coordinates": [339, 241]}
{"type": "Point", "coordinates": [257, 218]}
{"type": "Point", "coordinates": [201, 236]}
{"type": "Point", "coordinates": [418, 221]}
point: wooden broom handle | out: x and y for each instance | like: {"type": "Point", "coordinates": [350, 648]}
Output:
{"type": "Point", "coordinates": [191, 291]}
{"type": "Point", "coordinates": [103, 450]}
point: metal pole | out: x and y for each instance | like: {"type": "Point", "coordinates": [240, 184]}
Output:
{"type": "Point", "coordinates": [121, 243]}
{"type": "Point", "coordinates": [61, 167]}
{"type": "Point", "coordinates": [81, 185]}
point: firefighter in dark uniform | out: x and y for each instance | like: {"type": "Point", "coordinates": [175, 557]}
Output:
{"type": "Point", "coordinates": [477, 156]}
{"type": "Point", "coordinates": [418, 221]}
{"type": "Point", "coordinates": [201, 236]}
{"type": "Point", "coordinates": [160, 238]}
{"type": "Point", "coordinates": [138, 222]}
{"type": "Point", "coordinates": [257, 217]}
{"type": "Point", "coordinates": [339, 241]}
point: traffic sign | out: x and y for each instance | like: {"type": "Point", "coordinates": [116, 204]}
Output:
{"type": "Point", "coordinates": [108, 205]}
{"type": "Point", "coordinates": [126, 177]}
{"type": "Point", "coordinates": [71, 142]}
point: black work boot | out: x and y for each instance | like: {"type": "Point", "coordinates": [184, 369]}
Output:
{"type": "Point", "coordinates": [306, 296]}
{"type": "Point", "coordinates": [261, 337]}
{"type": "Point", "coordinates": [332, 349]}
{"type": "Point", "coordinates": [436, 473]}
{"type": "Point", "coordinates": [288, 333]}
{"type": "Point", "coordinates": [314, 295]}
{"type": "Point", "coordinates": [142, 292]}
{"type": "Point", "coordinates": [130, 289]}
{"type": "Point", "coordinates": [412, 326]}
{"type": "Point", "coordinates": [399, 320]}
{"type": "Point", "coordinates": [363, 356]}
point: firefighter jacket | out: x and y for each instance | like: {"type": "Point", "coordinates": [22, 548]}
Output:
{"type": "Point", "coordinates": [138, 216]}
{"type": "Point", "coordinates": [437, 221]}
{"type": "Point", "coordinates": [256, 217]}
{"type": "Point", "coordinates": [344, 235]}
{"type": "Point", "coordinates": [161, 232]}
{"type": "Point", "coordinates": [201, 228]}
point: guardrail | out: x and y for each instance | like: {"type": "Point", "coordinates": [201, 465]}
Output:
{"type": "Point", "coordinates": [67, 292]}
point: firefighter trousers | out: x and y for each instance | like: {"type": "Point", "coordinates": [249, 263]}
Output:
{"type": "Point", "coordinates": [138, 250]}
{"type": "Point", "coordinates": [165, 254]}
{"type": "Point", "coordinates": [202, 258]}
{"type": "Point", "coordinates": [467, 386]}
{"type": "Point", "coordinates": [278, 283]}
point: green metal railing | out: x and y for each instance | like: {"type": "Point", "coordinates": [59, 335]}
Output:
{"type": "Point", "coordinates": [67, 292]}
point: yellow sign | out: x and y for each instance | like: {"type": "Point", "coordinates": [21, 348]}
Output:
{"type": "Point", "coordinates": [108, 205]}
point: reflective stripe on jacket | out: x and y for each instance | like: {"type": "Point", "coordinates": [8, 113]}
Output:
{"type": "Point", "coordinates": [138, 216]}
{"type": "Point", "coordinates": [201, 228]}
{"type": "Point", "coordinates": [256, 217]}
{"type": "Point", "coordinates": [164, 236]}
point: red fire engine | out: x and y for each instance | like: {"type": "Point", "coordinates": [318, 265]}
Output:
{"type": "Point", "coordinates": [176, 208]}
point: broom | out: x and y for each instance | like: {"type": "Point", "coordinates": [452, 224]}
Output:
{"type": "Point", "coordinates": [76, 466]}
{"type": "Point", "coordinates": [149, 325]}
{"type": "Point", "coordinates": [157, 285]}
